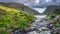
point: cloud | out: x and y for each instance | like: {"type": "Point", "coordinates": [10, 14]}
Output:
{"type": "Point", "coordinates": [45, 3]}
{"type": "Point", "coordinates": [6, 0]}
{"type": "Point", "coordinates": [35, 3]}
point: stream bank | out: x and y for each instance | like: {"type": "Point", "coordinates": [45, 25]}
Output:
{"type": "Point", "coordinates": [40, 26]}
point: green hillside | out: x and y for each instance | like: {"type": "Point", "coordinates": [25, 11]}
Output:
{"type": "Point", "coordinates": [50, 9]}
{"type": "Point", "coordinates": [11, 18]}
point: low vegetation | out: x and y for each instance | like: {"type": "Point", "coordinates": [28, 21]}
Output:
{"type": "Point", "coordinates": [55, 17]}
{"type": "Point", "coordinates": [10, 18]}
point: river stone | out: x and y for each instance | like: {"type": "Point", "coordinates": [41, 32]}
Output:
{"type": "Point", "coordinates": [33, 32]}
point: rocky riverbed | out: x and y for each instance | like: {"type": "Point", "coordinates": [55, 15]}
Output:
{"type": "Point", "coordinates": [40, 26]}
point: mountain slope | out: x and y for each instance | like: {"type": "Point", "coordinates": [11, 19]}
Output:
{"type": "Point", "coordinates": [21, 7]}
{"type": "Point", "coordinates": [50, 9]}
{"type": "Point", "coordinates": [53, 13]}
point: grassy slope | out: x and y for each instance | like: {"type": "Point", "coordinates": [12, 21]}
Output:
{"type": "Point", "coordinates": [9, 18]}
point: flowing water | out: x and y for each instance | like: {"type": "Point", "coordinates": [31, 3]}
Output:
{"type": "Point", "coordinates": [40, 24]}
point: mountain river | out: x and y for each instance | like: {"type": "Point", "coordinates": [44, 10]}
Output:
{"type": "Point", "coordinates": [40, 25]}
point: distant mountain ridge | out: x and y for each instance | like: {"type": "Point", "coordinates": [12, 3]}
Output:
{"type": "Point", "coordinates": [21, 7]}
{"type": "Point", "coordinates": [50, 9]}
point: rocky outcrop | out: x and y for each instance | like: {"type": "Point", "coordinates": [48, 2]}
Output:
{"type": "Point", "coordinates": [56, 25]}
{"type": "Point", "coordinates": [56, 18]}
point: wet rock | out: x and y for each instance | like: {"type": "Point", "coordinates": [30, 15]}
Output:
{"type": "Point", "coordinates": [10, 31]}
{"type": "Point", "coordinates": [33, 32]}
{"type": "Point", "coordinates": [18, 32]}
{"type": "Point", "coordinates": [16, 27]}
{"type": "Point", "coordinates": [43, 28]}
{"type": "Point", "coordinates": [50, 26]}
{"type": "Point", "coordinates": [41, 20]}
{"type": "Point", "coordinates": [56, 33]}
{"type": "Point", "coordinates": [57, 30]}
{"type": "Point", "coordinates": [27, 29]}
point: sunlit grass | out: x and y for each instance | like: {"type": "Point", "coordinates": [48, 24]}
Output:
{"type": "Point", "coordinates": [10, 18]}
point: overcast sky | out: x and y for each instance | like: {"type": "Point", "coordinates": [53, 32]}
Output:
{"type": "Point", "coordinates": [35, 3]}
